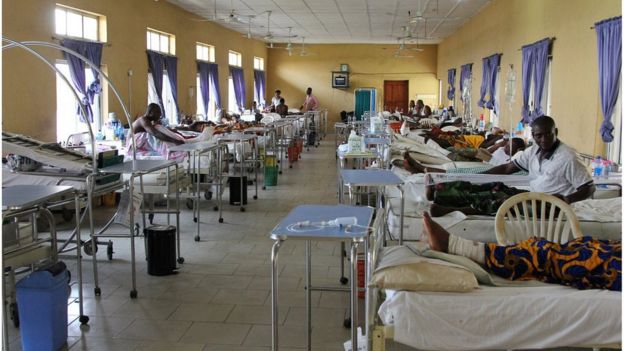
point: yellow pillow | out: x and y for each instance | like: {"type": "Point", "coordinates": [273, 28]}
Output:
{"type": "Point", "coordinates": [426, 275]}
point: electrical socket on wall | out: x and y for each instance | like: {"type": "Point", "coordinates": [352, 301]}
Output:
{"type": "Point", "coordinates": [130, 73]}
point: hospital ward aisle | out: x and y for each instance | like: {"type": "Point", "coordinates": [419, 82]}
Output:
{"type": "Point", "coordinates": [220, 299]}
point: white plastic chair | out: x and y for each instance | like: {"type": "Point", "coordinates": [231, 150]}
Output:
{"type": "Point", "coordinates": [518, 219]}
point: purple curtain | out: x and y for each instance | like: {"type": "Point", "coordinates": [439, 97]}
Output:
{"type": "Point", "coordinates": [93, 52]}
{"type": "Point", "coordinates": [485, 78]}
{"type": "Point", "coordinates": [213, 69]}
{"type": "Point", "coordinates": [451, 82]}
{"type": "Point", "coordinates": [609, 33]}
{"type": "Point", "coordinates": [259, 87]}
{"type": "Point", "coordinates": [527, 70]}
{"type": "Point", "coordinates": [171, 64]}
{"type": "Point", "coordinates": [238, 78]}
{"type": "Point", "coordinates": [534, 64]}
{"type": "Point", "coordinates": [155, 63]}
{"type": "Point", "coordinates": [204, 84]}
{"type": "Point", "coordinates": [466, 72]}
{"type": "Point", "coordinates": [493, 63]}
{"type": "Point", "coordinates": [540, 58]}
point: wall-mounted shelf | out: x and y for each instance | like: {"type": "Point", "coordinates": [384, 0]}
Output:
{"type": "Point", "coordinates": [340, 80]}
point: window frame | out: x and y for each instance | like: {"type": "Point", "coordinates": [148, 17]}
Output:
{"type": "Point", "coordinates": [210, 57]}
{"type": "Point", "coordinates": [161, 35]}
{"type": "Point", "coordinates": [239, 59]}
{"type": "Point", "coordinates": [100, 29]}
{"type": "Point", "coordinates": [260, 65]}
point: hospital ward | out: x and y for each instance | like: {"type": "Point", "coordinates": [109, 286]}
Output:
{"type": "Point", "coordinates": [327, 175]}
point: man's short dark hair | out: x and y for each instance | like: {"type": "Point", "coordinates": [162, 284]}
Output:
{"type": "Point", "coordinates": [282, 100]}
{"type": "Point", "coordinates": [278, 91]}
{"type": "Point", "coordinates": [543, 121]}
{"type": "Point", "coordinates": [518, 144]}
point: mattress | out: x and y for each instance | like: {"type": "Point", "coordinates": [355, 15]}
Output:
{"type": "Point", "coordinates": [504, 318]}
{"type": "Point", "coordinates": [11, 179]}
{"type": "Point", "coordinates": [601, 219]}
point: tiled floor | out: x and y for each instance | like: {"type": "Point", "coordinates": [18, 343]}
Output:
{"type": "Point", "coordinates": [220, 299]}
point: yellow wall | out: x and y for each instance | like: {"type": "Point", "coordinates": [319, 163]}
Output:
{"type": "Point", "coordinates": [505, 26]}
{"type": "Point", "coordinates": [369, 66]}
{"type": "Point", "coordinates": [29, 99]}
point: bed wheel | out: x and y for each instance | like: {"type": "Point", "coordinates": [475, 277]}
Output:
{"type": "Point", "coordinates": [280, 172]}
{"type": "Point", "coordinates": [208, 195]}
{"type": "Point", "coordinates": [133, 294]}
{"type": "Point", "coordinates": [197, 238]}
{"type": "Point", "coordinates": [220, 220]}
{"type": "Point", "coordinates": [344, 280]}
{"type": "Point", "coordinates": [189, 204]}
{"type": "Point", "coordinates": [83, 320]}
{"type": "Point", "coordinates": [264, 187]}
{"type": "Point", "coordinates": [109, 250]}
{"type": "Point", "coordinates": [289, 166]}
{"type": "Point", "coordinates": [255, 197]}
{"type": "Point", "coordinates": [216, 208]}
{"type": "Point", "coordinates": [242, 209]}
{"type": "Point", "coordinates": [347, 323]}
{"type": "Point", "coordinates": [180, 260]}
{"type": "Point", "coordinates": [88, 247]}
{"type": "Point", "coordinates": [195, 219]}
{"type": "Point", "coordinates": [97, 291]}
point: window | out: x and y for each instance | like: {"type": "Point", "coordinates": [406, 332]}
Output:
{"type": "Point", "coordinates": [169, 106]}
{"type": "Point", "coordinates": [160, 42]}
{"type": "Point", "coordinates": [614, 148]}
{"type": "Point", "coordinates": [212, 106]}
{"type": "Point", "coordinates": [67, 121]}
{"type": "Point", "coordinates": [232, 106]}
{"type": "Point", "coordinates": [205, 52]}
{"type": "Point", "coordinates": [259, 63]}
{"type": "Point", "coordinates": [77, 24]}
{"type": "Point", "coordinates": [235, 59]}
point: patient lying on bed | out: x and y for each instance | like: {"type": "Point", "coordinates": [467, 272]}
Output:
{"type": "Point", "coordinates": [499, 154]}
{"type": "Point", "coordinates": [583, 263]}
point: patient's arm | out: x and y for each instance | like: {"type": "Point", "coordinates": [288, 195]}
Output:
{"type": "Point", "coordinates": [162, 133]}
{"type": "Point", "coordinates": [507, 168]}
{"type": "Point", "coordinates": [582, 193]}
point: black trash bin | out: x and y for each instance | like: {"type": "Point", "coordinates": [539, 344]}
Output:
{"type": "Point", "coordinates": [235, 189]}
{"type": "Point", "coordinates": [161, 249]}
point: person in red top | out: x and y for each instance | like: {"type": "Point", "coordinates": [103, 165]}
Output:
{"type": "Point", "coordinates": [311, 103]}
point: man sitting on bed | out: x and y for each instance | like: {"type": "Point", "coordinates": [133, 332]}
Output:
{"type": "Point", "coordinates": [583, 263]}
{"type": "Point", "coordinates": [554, 167]}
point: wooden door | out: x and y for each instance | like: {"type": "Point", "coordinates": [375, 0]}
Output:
{"type": "Point", "coordinates": [396, 95]}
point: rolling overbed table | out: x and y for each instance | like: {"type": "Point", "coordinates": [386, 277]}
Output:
{"type": "Point", "coordinates": [138, 168]}
{"type": "Point", "coordinates": [289, 228]}
{"type": "Point", "coordinates": [195, 151]}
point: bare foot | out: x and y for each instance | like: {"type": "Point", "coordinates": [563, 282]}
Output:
{"type": "Point", "coordinates": [437, 236]}
{"type": "Point", "coordinates": [412, 165]}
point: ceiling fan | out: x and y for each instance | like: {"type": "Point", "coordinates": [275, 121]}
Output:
{"type": "Point", "coordinates": [420, 17]}
{"type": "Point", "coordinates": [303, 51]}
{"type": "Point", "coordinates": [232, 17]}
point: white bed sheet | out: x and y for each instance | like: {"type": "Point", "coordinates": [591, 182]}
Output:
{"type": "Point", "coordinates": [504, 318]}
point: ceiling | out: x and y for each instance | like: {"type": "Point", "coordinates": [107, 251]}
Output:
{"type": "Point", "coordinates": [340, 21]}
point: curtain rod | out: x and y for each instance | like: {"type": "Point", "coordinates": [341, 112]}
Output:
{"type": "Point", "coordinates": [551, 39]}
{"type": "Point", "coordinates": [82, 39]}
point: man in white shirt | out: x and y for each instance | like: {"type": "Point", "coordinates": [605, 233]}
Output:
{"type": "Point", "coordinates": [276, 99]}
{"type": "Point", "coordinates": [553, 165]}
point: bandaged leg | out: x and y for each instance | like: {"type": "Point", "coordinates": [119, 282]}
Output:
{"type": "Point", "coordinates": [463, 247]}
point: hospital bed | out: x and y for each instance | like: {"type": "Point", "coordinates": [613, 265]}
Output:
{"type": "Point", "coordinates": [600, 218]}
{"type": "Point", "coordinates": [512, 315]}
